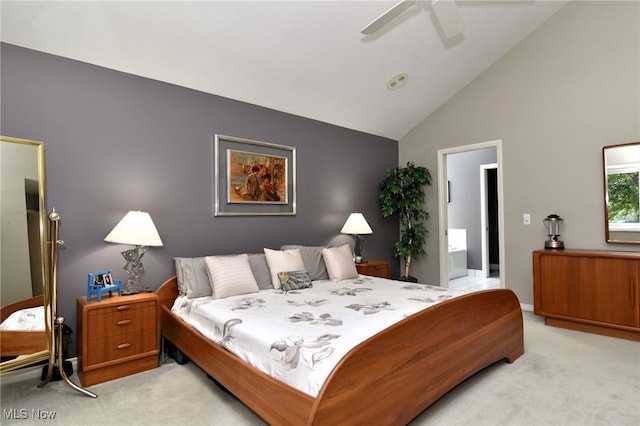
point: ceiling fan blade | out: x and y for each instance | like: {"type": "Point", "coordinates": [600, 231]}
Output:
{"type": "Point", "coordinates": [448, 16]}
{"type": "Point", "coordinates": [388, 16]}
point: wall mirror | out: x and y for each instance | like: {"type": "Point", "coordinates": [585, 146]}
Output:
{"type": "Point", "coordinates": [26, 335]}
{"type": "Point", "coordinates": [622, 193]}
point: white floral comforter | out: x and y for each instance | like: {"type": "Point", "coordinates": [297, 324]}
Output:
{"type": "Point", "coordinates": [299, 336]}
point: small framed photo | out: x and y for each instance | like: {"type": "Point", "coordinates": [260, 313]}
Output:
{"type": "Point", "coordinates": [103, 279]}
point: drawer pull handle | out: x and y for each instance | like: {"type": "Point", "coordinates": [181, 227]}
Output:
{"type": "Point", "coordinates": [123, 346]}
{"type": "Point", "coordinates": [124, 322]}
{"type": "Point", "coordinates": [123, 307]}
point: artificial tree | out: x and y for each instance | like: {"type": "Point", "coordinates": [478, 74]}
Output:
{"type": "Point", "coordinates": [403, 194]}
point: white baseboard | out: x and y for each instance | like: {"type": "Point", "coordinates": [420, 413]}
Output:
{"type": "Point", "coordinates": [526, 307]}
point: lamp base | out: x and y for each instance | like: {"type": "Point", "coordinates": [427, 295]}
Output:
{"type": "Point", "coordinates": [135, 269]}
{"type": "Point", "coordinates": [553, 245]}
{"type": "Point", "coordinates": [357, 250]}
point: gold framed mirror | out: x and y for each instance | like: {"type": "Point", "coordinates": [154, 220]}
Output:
{"type": "Point", "coordinates": [26, 337]}
{"type": "Point", "coordinates": [621, 169]}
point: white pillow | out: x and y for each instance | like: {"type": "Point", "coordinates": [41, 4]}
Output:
{"type": "Point", "coordinates": [230, 275]}
{"type": "Point", "coordinates": [283, 261]}
{"type": "Point", "coordinates": [339, 261]}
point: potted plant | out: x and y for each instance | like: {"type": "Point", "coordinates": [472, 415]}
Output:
{"type": "Point", "coordinates": [402, 194]}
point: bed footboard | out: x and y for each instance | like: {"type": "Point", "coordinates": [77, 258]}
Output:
{"type": "Point", "coordinates": [388, 379]}
{"type": "Point", "coordinates": [395, 375]}
{"type": "Point", "coordinates": [15, 343]}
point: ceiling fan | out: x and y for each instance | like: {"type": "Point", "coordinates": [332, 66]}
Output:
{"type": "Point", "coordinates": [446, 12]}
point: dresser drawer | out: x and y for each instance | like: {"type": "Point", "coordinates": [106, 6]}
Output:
{"type": "Point", "coordinates": [122, 346]}
{"type": "Point", "coordinates": [120, 319]}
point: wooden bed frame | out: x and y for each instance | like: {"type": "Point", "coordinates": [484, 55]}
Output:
{"type": "Point", "coordinates": [14, 343]}
{"type": "Point", "coordinates": [388, 379]}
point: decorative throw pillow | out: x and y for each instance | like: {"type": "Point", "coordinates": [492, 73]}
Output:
{"type": "Point", "coordinates": [230, 275]}
{"type": "Point", "coordinates": [313, 261]}
{"type": "Point", "coordinates": [283, 261]}
{"type": "Point", "coordinates": [260, 269]}
{"type": "Point", "coordinates": [193, 280]}
{"type": "Point", "coordinates": [295, 280]}
{"type": "Point", "coordinates": [339, 261]}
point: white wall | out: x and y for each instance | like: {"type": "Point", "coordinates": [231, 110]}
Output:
{"type": "Point", "coordinates": [555, 100]}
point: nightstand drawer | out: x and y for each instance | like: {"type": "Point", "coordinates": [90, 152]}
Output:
{"type": "Point", "coordinates": [117, 347]}
{"type": "Point", "coordinates": [123, 306]}
{"type": "Point", "coordinates": [104, 323]}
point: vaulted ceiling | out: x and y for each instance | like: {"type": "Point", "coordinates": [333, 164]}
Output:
{"type": "Point", "coordinates": [306, 58]}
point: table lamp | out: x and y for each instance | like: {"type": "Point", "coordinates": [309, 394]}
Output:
{"type": "Point", "coordinates": [136, 228]}
{"type": "Point", "coordinates": [356, 225]}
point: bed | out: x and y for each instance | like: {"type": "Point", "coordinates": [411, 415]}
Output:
{"type": "Point", "coordinates": [388, 379]}
{"type": "Point", "coordinates": [15, 341]}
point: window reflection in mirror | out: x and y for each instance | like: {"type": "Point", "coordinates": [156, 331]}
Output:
{"type": "Point", "coordinates": [622, 193]}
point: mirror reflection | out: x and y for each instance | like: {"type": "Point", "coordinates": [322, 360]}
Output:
{"type": "Point", "coordinates": [25, 331]}
{"type": "Point", "coordinates": [622, 193]}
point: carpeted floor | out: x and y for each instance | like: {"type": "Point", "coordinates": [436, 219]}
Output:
{"type": "Point", "coordinates": [564, 378]}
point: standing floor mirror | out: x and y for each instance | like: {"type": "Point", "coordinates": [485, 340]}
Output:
{"type": "Point", "coordinates": [26, 333]}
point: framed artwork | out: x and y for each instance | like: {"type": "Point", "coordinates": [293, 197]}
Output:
{"type": "Point", "coordinates": [253, 178]}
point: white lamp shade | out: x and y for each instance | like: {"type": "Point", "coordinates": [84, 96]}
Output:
{"type": "Point", "coordinates": [137, 229]}
{"type": "Point", "coordinates": [356, 224]}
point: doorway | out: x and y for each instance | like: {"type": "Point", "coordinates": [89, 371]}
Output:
{"type": "Point", "coordinates": [470, 205]}
{"type": "Point", "coordinates": [489, 220]}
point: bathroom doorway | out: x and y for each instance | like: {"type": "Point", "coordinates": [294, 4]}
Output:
{"type": "Point", "coordinates": [470, 212]}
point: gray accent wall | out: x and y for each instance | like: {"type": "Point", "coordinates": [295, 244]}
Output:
{"type": "Point", "coordinates": [115, 142]}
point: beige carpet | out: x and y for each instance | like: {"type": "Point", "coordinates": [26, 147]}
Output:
{"type": "Point", "coordinates": [564, 378]}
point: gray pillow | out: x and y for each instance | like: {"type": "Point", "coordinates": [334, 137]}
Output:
{"type": "Point", "coordinates": [182, 290]}
{"type": "Point", "coordinates": [313, 261]}
{"type": "Point", "coordinates": [260, 269]}
{"type": "Point", "coordinates": [193, 279]}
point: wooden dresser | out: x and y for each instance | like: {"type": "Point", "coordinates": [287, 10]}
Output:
{"type": "Point", "coordinates": [588, 290]}
{"type": "Point", "coordinates": [119, 336]}
{"type": "Point", "coordinates": [374, 268]}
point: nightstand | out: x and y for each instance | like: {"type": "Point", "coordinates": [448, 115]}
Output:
{"type": "Point", "coordinates": [119, 336]}
{"type": "Point", "coordinates": [375, 268]}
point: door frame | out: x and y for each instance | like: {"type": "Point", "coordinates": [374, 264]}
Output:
{"type": "Point", "coordinates": [443, 208]}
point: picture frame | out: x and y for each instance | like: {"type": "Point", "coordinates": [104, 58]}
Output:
{"type": "Point", "coordinates": [102, 282]}
{"type": "Point", "coordinates": [252, 178]}
{"type": "Point", "coordinates": [103, 279]}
